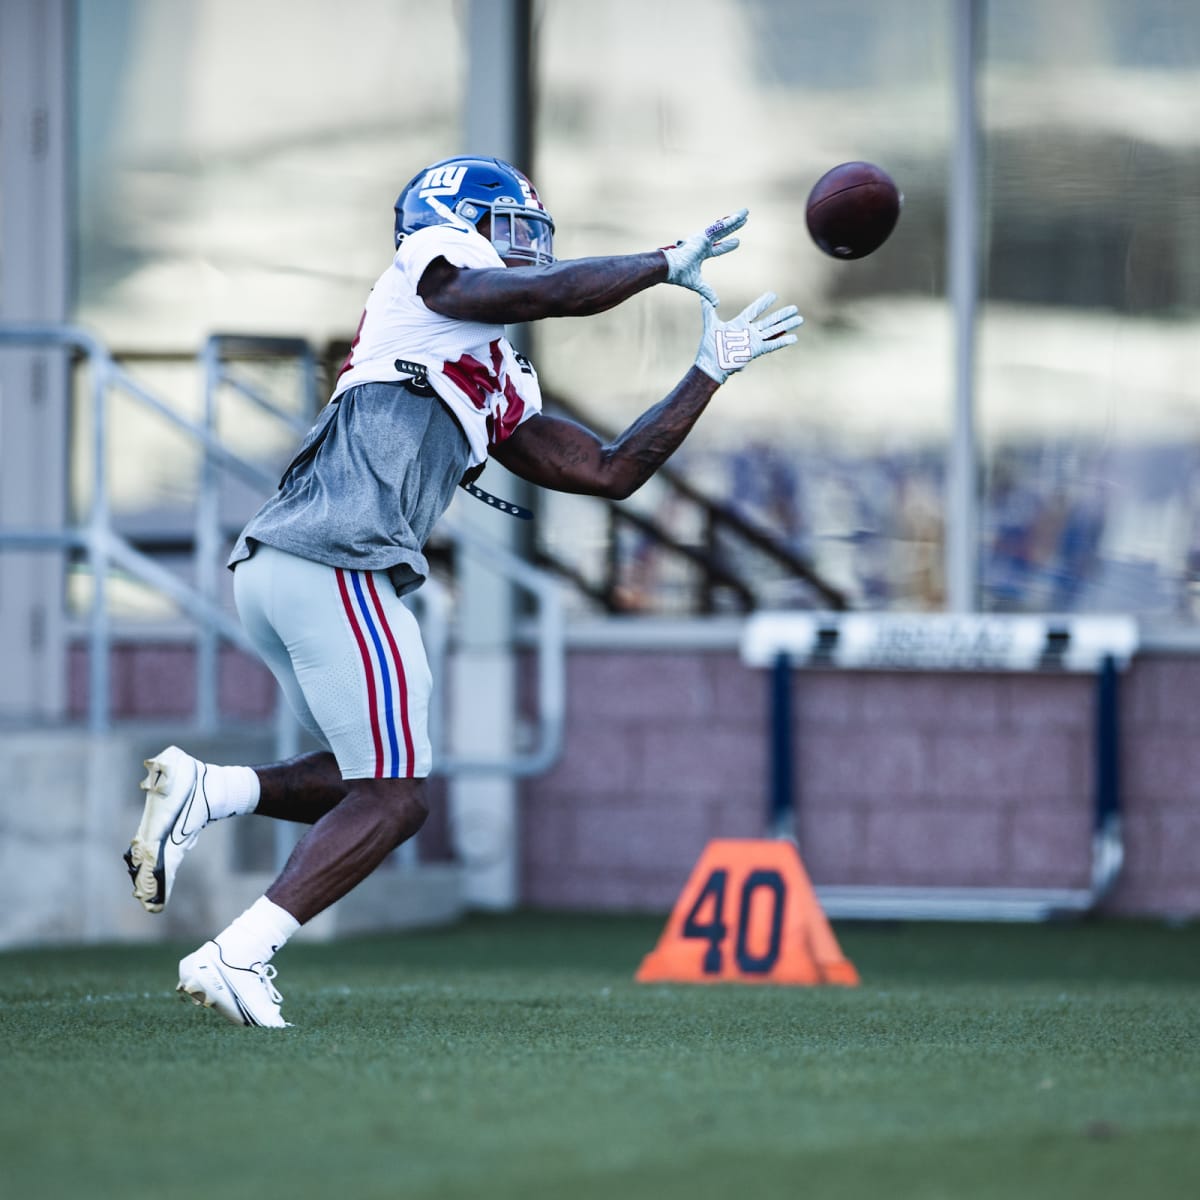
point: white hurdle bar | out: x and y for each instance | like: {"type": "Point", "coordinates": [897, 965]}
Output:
{"type": "Point", "coordinates": [1102, 645]}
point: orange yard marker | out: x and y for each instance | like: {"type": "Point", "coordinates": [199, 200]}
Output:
{"type": "Point", "coordinates": [748, 914]}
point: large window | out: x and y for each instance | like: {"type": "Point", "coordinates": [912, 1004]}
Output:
{"type": "Point", "coordinates": [237, 167]}
{"type": "Point", "coordinates": [237, 173]}
{"type": "Point", "coordinates": [653, 120]}
{"type": "Point", "coordinates": [1089, 385]}
{"type": "Point", "coordinates": [656, 118]}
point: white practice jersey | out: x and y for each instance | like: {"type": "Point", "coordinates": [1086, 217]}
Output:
{"type": "Point", "coordinates": [471, 366]}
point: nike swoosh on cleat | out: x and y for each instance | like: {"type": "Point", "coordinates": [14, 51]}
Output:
{"type": "Point", "coordinates": [185, 811]}
{"type": "Point", "coordinates": [247, 1015]}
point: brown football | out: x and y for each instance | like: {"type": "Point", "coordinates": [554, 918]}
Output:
{"type": "Point", "coordinates": [852, 209]}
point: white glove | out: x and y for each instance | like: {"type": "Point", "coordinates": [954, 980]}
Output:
{"type": "Point", "coordinates": [684, 258]}
{"type": "Point", "coordinates": [727, 346]}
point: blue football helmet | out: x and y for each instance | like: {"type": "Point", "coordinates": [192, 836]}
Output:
{"type": "Point", "coordinates": [465, 190]}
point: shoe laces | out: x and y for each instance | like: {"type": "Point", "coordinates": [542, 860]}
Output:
{"type": "Point", "coordinates": [266, 972]}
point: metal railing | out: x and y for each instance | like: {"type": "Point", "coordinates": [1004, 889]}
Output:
{"type": "Point", "coordinates": [727, 535]}
{"type": "Point", "coordinates": [216, 360]}
{"type": "Point", "coordinates": [104, 549]}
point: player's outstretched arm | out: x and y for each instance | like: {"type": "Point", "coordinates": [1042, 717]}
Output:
{"type": "Point", "coordinates": [567, 457]}
{"type": "Point", "coordinates": [579, 287]}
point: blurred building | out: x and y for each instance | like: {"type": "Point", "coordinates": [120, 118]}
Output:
{"type": "Point", "coordinates": [238, 175]}
{"type": "Point", "coordinates": [171, 169]}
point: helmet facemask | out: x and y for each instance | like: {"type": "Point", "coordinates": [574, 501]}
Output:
{"type": "Point", "coordinates": [517, 232]}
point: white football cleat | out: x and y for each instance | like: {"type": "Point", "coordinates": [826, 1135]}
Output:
{"type": "Point", "coordinates": [243, 995]}
{"type": "Point", "coordinates": [176, 810]}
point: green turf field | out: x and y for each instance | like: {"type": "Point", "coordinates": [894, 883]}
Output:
{"type": "Point", "coordinates": [515, 1057]}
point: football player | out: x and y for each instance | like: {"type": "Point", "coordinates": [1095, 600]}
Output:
{"type": "Point", "coordinates": [430, 390]}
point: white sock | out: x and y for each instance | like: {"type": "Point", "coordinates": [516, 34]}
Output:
{"type": "Point", "coordinates": [230, 791]}
{"type": "Point", "coordinates": [257, 934]}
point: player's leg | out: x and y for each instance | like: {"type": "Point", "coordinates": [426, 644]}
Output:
{"type": "Point", "coordinates": [306, 787]}
{"type": "Point", "coordinates": [300, 789]}
{"type": "Point", "coordinates": [233, 972]}
{"type": "Point", "coordinates": [184, 794]}
{"type": "Point", "coordinates": [357, 655]}
{"type": "Point", "coordinates": [348, 843]}
{"type": "Point", "coordinates": [366, 680]}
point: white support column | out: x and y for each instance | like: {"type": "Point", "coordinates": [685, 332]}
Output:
{"type": "Point", "coordinates": [963, 261]}
{"type": "Point", "coordinates": [35, 41]}
{"type": "Point", "coordinates": [483, 808]}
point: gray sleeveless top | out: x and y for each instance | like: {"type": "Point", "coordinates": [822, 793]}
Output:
{"type": "Point", "coordinates": [369, 482]}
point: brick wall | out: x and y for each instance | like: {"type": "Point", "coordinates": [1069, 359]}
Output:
{"type": "Point", "coordinates": [901, 778]}
{"type": "Point", "coordinates": [156, 680]}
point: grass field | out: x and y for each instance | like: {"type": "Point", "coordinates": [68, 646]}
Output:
{"type": "Point", "coordinates": [515, 1057]}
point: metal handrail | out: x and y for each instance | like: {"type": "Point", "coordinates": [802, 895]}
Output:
{"type": "Point", "coordinates": [96, 537]}
{"type": "Point", "coordinates": [218, 349]}
{"type": "Point", "coordinates": [92, 537]}
{"type": "Point", "coordinates": [104, 548]}
{"type": "Point", "coordinates": [716, 573]}
{"type": "Point", "coordinates": [550, 627]}
{"type": "Point", "coordinates": [716, 516]}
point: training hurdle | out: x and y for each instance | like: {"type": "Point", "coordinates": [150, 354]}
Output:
{"type": "Point", "coordinates": [783, 643]}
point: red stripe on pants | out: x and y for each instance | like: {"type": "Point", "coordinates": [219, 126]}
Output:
{"type": "Point", "coordinates": [368, 667]}
{"type": "Point", "coordinates": [401, 681]}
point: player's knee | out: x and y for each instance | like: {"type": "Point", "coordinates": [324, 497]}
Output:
{"type": "Point", "coordinates": [402, 803]}
{"type": "Point", "coordinates": [412, 814]}
{"type": "Point", "coordinates": [396, 805]}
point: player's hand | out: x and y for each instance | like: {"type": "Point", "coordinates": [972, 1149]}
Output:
{"type": "Point", "coordinates": [684, 258]}
{"type": "Point", "coordinates": [727, 346]}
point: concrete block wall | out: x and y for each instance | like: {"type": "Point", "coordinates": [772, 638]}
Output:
{"type": "Point", "coordinates": [663, 752]}
{"type": "Point", "coordinates": [68, 806]}
{"type": "Point", "coordinates": [901, 778]}
{"type": "Point", "coordinates": [155, 680]}
{"type": "Point", "coordinates": [1161, 780]}
{"type": "Point", "coordinates": [941, 779]}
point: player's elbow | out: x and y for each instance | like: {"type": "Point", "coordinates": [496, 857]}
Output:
{"type": "Point", "coordinates": [618, 490]}
{"type": "Point", "coordinates": [618, 482]}
{"type": "Point", "coordinates": [621, 472]}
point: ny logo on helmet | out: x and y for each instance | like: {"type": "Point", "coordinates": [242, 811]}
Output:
{"type": "Point", "coordinates": [442, 181]}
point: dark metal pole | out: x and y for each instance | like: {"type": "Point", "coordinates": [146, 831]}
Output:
{"type": "Point", "coordinates": [782, 816]}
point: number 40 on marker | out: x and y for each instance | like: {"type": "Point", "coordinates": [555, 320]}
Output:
{"type": "Point", "coordinates": [748, 914]}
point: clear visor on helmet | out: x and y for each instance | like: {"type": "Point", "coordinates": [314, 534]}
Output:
{"type": "Point", "coordinates": [523, 233]}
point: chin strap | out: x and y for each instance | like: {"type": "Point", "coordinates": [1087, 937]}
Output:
{"type": "Point", "coordinates": [505, 506]}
